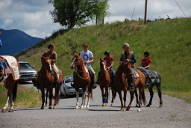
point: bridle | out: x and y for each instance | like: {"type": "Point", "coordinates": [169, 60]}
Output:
{"type": "Point", "coordinates": [75, 64]}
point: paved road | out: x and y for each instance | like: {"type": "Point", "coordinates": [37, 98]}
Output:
{"type": "Point", "coordinates": [174, 114]}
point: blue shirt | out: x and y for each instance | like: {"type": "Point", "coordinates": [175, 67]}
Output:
{"type": "Point", "coordinates": [87, 56]}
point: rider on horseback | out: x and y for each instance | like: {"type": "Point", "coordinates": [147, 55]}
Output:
{"type": "Point", "coordinates": [88, 59]}
{"type": "Point", "coordinates": [128, 55]}
{"type": "Point", "coordinates": [52, 55]}
{"type": "Point", "coordinates": [109, 64]}
{"type": "Point", "coordinates": [145, 64]}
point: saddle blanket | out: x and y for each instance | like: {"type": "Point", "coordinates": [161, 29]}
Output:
{"type": "Point", "coordinates": [12, 62]}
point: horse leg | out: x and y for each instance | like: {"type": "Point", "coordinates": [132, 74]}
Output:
{"type": "Point", "coordinates": [77, 99]}
{"type": "Point", "coordinates": [113, 96]}
{"type": "Point", "coordinates": [46, 98]}
{"type": "Point", "coordinates": [13, 97]}
{"type": "Point", "coordinates": [159, 94]}
{"type": "Point", "coordinates": [107, 95]}
{"type": "Point", "coordinates": [57, 88]}
{"type": "Point", "coordinates": [102, 94]}
{"type": "Point", "coordinates": [120, 97]}
{"type": "Point", "coordinates": [5, 108]}
{"type": "Point", "coordinates": [83, 99]}
{"type": "Point", "coordinates": [137, 99]}
{"type": "Point", "coordinates": [151, 96]}
{"type": "Point", "coordinates": [124, 99]}
{"type": "Point", "coordinates": [43, 98]}
{"type": "Point", "coordinates": [131, 99]}
{"type": "Point", "coordinates": [88, 101]}
{"type": "Point", "coordinates": [50, 97]}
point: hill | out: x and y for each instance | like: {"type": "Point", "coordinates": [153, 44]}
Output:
{"type": "Point", "coordinates": [169, 43]}
{"type": "Point", "coordinates": [15, 41]}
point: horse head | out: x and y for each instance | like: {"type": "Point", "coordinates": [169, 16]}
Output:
{"type": "Point", "coordinates": [46, 63]}
{"type": "Point", "coordinates": [78, 62]}
{"type": "Point", "coordinates": [102, 64]}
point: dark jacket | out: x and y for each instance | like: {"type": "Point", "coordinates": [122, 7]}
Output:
{"type": "Point", "coordinates": [130, 56]}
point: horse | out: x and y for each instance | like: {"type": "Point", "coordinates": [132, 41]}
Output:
{"type": "Point", "coordinates": [155, 81]}
{"type": "Point", "coordinates": [82, 80]}
{"type": "Point", "coordinates": [121, 85]}
{"type": "Point", "coordinates": [47, 82]}
{"type": "Point", "coordinates": [139, 83]}
{"type": "Point", "coordinates": [11, 85]}
{"type": "Point", "coordinates": [104, 80]}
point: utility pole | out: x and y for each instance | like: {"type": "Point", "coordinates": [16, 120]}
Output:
{"type": "Point", "coordinates": [145, 17]}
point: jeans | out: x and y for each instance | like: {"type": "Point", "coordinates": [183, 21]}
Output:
{"type": "Point", "coordinates": [92, 73]}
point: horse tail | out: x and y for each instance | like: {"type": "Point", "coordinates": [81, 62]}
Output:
{"type": "Point", "coordinates": [14, 91]}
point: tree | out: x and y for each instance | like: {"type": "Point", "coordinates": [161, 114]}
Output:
{"type": "Point", "coordinates": [75, 12]}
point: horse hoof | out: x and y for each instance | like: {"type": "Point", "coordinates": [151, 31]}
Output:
{"type": "Point", "coordinates": [11, 110]}
{"type": "Point", "coordinates": [77, 107]}
{"type": "Point", "coordinates": [148, 105]}
{"type": "Point", "coordinates": [49, 107]}
{"type": "Point", "coordinates": [4, 110]}
{"type": "Point", "coordinates": [139, 110]}
{"type": "Point", "coordinates": [111, 105]}
{"type": "Point", "coordinates": [42, 108]}
{"type": "Point", "coordinates": [160, 106]}
{"type": "Point", "coordinates": [128, 108]}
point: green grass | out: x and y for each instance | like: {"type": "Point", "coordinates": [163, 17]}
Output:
{"type": "Point", "coordinates": [26, 97]}
{"type": "Point", "coordinates": [169, 43]}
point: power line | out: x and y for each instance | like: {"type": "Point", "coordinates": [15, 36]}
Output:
{"type": "Point", "coordinates": [179, 6]}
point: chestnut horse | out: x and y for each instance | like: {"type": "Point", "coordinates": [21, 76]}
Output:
{"type": "Point", "coordinates": [11, 85]}
{"type": "Point", "coordinates": [47, 82]}
{"type": "Point", "coordinates": [121, 84]}
{"type": "Point", "coordinates": [104, 81]}
{"type": "Point", "coordinates": [81, 80]}
{"type": "Point", "coordinates": [139, 83]}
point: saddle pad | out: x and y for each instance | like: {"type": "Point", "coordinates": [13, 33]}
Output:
{"type": "Point", "coordinates": [12, 62]}
{"type": "Point", "coordinates": [136, 74]}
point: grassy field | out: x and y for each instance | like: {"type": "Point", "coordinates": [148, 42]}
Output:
{"type": "Point", "coordinates": [26, 97]}
{"type": "Point", "coordinates": [169, 43]}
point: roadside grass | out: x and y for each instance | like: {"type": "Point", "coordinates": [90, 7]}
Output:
{"type": "Point", "coordinates": [169, 43]}
{"type": "Point", "coordinates": [26, 97]}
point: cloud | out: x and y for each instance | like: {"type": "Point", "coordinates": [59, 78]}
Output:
{"type": "Point", "coordinates": [33, 17]}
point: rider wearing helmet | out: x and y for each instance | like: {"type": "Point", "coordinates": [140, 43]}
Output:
{"type": "Point", "coordinates": [129, 55]}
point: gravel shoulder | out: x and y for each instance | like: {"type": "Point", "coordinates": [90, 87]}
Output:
{"type": "Point", "coordinates": [175, 113]}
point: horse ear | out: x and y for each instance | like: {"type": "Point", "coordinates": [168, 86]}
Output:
{"type": "Point", "coordinates": [79, 54]}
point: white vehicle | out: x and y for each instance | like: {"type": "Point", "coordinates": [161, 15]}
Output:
{"type": "Point", "coordinates": [66, 88]}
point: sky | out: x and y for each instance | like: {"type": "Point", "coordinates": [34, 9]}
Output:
{"type": "Point", "coordinates": [33, 16]}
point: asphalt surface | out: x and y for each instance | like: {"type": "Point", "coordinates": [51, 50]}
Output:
{"type": "Point", "coordinates": [175, 113]}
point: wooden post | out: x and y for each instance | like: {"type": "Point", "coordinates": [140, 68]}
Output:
{"type": "Point", "coordinates": [145, 17]}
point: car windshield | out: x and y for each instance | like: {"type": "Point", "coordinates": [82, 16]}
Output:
{"type": "Point", "coordinates": [25, 66]}
{"type": "Point", "coordinates": [68, 79]}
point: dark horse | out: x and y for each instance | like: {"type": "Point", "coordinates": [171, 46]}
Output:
{"type": "Point", "coordinates": [47, 82]}
{"type": "Point", "coordinates": [81, 80]}
{"type": "Point", "coordinates": [155, 81]}
{"type": "Point", "coordinates": [104, 81]}
{"type": "Point", "coordinates": [121, 84]}
{"type": "Point", "coordinates": [11, 85]}
{"type": "Point", "coordinates": [139, 83]}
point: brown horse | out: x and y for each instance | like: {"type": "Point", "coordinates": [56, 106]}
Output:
{"type": "Point", "coordinates": [121, 85]}
{"type": "Point", "coordinates": [11, 85]}
{"type": "Point", "coordinates": [81, 80]}
{"type": "Point", "coordinates": [47, 82]}
{"type": "Point", "coordinates": [104, 81]}
{"type": "Point", "coordinates": [139, 83]}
